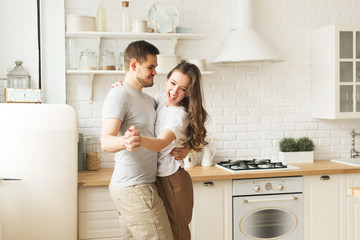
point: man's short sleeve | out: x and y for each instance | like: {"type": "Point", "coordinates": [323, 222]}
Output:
{"type": "Point", "coordinates": [115, 104]}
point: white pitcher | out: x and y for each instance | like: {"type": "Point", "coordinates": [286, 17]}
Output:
{"type": "Point", "coordinates": [208, 154]}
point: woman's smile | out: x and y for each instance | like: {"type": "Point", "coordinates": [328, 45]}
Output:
{"type": "Point", "coordinates": [176, 87]}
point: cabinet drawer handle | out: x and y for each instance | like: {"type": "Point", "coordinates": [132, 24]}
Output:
{"type": "Point", "coordinates": [323, 178]}
{"type": "Point", "coordinates": [10, 179]}
{"type": "Point", "coordinates": [270, 199]}
{"type": "Point", "coordinates": [208, 184]}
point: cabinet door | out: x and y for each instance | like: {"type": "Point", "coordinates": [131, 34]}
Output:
{"type": "Point", "coordinates": [95, 199]}
{"type": "Point", "coordinates": [353, 208]}
{"type": "Point", "coordinates": [98, 217]}
{"type": "Point", "coordinates": [212, 214]}
{"type": "Point", "coordinates": [349, 68]}
{"type": "Point", "coordinates": [336, 72]}
{"type": "Point", "coordinates": [353, 218]}
{"type": "Point", "coordinates": [325, 207]}
{"type": "Point", "coordinates": [99, 225]}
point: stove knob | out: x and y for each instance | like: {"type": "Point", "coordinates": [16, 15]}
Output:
{"type": "Point", "coordinates": [280, 187]}
{"type": "Point", "coordinates": [257, 188]}
{"type": "Point", "coordinates": [268, 186]}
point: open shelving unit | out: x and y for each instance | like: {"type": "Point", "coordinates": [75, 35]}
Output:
{"type": "Point", "coordinates": [99, 36]}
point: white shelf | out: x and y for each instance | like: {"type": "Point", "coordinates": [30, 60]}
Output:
{"type": "Point", "coordinates": [113, 72]}
{"type": "Point", "coordinates": [135, 35]}
{"type": "Point", "coordinates": [94, 72]}
{"type": "Point", "coordinates": [98, 36]}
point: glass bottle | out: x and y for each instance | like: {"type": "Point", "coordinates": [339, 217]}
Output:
{"type": "Point", "coordinates": [81, 159]}
{"type": "Point", "coordinates": [92, 155]}
{"type": "Point", "coordinates": [72, 55]}
{"type": "Point", "coordinates": [18, 77]}
{"type": "Point", "coordinates": [87, 60]}
{"type": "Point", "coordinates": [101, 17]}
{"type": "Point", "coordinates": [107, 60]}
{"type": "Point", "coordinates": [125, 17]}
{"type": "Point", "coordinates": [121, 65]}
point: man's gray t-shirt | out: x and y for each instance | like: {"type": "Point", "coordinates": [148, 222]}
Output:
{"type": "Point", "coordinates": [133, 108]}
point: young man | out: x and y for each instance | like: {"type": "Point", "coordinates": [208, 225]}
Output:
{"type": "Point", "coordinates": [132, 185]}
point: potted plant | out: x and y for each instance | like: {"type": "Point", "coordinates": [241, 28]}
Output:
{"type": "Point", "coordinates": [299, 150]}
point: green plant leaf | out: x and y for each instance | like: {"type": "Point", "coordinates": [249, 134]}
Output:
{"type": "Point", "coordinates": [288, 145]}
{"type": "Point", "coordinates": [305, 144]}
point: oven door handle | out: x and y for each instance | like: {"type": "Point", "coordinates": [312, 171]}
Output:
{"type": "Point", "coordinates": [270, 199]}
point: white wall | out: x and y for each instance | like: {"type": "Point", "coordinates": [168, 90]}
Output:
{"type": "Point", "coordinates": [251, 106]}
{"type": "Point", "coordinates": [52, 29]}
{"type": "Point", "coordinates": [19, 37]}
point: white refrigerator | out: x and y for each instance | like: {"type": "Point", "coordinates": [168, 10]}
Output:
{"type": "Point", "coordinates": [38, 172]}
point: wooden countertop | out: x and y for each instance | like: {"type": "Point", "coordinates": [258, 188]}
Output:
{"type": "Point", "coordinates": [102, 177]}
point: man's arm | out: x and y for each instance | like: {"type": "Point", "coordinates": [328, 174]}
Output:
{"type": "Point", "coordinates": [110, 142]}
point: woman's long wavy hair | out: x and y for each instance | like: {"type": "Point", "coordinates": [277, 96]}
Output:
{"type": "Point", "coordinates": [193, 103]}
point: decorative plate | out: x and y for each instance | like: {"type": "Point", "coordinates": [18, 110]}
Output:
{"type": "Point", "coordinates": [163, 17]}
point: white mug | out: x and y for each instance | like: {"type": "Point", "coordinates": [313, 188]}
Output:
{"type": "Point", "coordinates": [200, 63]}
{"type": "Point", "coordinates": [208, 154]}
{"type": "Point", "coordinates": [139, 26]}
{"type": "Point", "coordinates": [167, 62]}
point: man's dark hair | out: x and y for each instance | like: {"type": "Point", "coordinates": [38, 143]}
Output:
{"type": "Point", "coordinates": [138, 50]}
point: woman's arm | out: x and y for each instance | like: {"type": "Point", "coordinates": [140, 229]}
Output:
{"type": "Point", "coordinates": [157, 144]}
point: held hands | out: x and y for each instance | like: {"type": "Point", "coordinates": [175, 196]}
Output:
{"type": "Point", "coordinates": [132, 139]}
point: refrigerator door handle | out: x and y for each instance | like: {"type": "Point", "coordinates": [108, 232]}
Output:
{"type": "Point", "coordinates": [10, 179]}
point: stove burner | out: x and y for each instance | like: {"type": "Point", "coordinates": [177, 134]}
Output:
{"type": "Point", "coordinates": [239, 166]}
{"type": "Point", "coordinates": [278, 164]}
{"type": "Point", "coordinates": [266, 165]}
{"type": "Point", "coordinates": [261, 161]}
{"type": "Point", "coordinates": [255, 164]}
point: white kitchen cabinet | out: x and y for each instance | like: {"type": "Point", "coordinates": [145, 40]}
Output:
{"type": "Point", "coordinates": [353, 209]}
{"type": "Point", "coordinates": [98, 217]}
{"type": "Point", "coordinates": [325, 207]}
{"type": "Point", "coordinates": [212, 213]}
{"type": "Point", "coordinates": [336, 72]}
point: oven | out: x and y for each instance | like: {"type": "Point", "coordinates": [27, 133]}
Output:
{"type": "Point", "coordinates": [268, 208]}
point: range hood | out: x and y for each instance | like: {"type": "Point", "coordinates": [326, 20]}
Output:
{"type": "Point", "coordinates": [245, 43]}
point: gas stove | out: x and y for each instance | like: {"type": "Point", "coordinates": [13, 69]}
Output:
{"type": "Point", "coordinates": [254, 164]}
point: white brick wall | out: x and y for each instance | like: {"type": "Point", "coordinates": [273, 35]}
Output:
{"type": "Point", "coordinates": [251, 106]}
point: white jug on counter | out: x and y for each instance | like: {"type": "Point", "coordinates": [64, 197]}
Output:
{"type": "Point", "coordinates": [208, 154]}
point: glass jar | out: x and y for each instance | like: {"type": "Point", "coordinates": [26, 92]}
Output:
{"type": "Point", "coordinates": [107, 61]}
{"type": "Point", "coordinates": [121, 65]}
{"type": "Point", "coordinates": [92, 154]}
{"type": "Point", "coordinates": [18, 77]}
{"type": "Point", "coordinates": [87, 60]}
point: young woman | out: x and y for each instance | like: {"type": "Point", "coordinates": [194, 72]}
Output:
{"type": "Point", "coordinates": [181, 118]}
